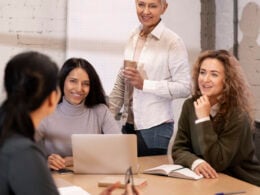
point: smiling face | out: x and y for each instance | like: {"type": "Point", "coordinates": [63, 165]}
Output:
{"type": "Point", "coordinates": [76, 86]}
{"type": "Point", "coordinates": [149, 11]}
{"type": "Point", "coordinates": [211, 79]}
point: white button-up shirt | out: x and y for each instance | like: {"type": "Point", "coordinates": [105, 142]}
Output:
{"type": "Point", "coordinates": [164, 59]}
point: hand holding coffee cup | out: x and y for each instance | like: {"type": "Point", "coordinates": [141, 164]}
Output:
{"type": "Point", "coordinates": [130, 64]}
{"type": "Point", "coordinates": [132, 75]}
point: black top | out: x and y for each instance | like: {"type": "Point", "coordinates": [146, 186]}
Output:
{"type": "Point", "coordinates": [24, 169]}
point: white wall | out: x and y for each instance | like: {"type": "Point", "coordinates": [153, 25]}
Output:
{"type": "Point", "coordinates": [41, 25]}
{"type": "Point", "coordinates": [248, 38]}
{"type": "Point", "coordinates": [183, 17]}
{"type": "Point", "coordinates": [241, 6]}
{"type": "Point", "coordinates": [224, 22]}
{"type": "Point", "coordinates": [97, 31]}
{"type": "Point", "coordinates": [32, 25]}
{"type": "Point", "coordinates": [249, 46]}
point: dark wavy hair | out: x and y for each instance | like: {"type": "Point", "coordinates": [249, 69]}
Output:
{"type": "Point", "coordinates": [29, 79]}
{"type": "Point", "coordinates": [236, 93]}
{"type": "Point", "coordinates": [96, 93]}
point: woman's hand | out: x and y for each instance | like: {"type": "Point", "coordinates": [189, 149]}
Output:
{"type": "Point", "coordinates": [206, 170]}
{"type": "Point", "coordinates": [129, 190]}
{"type": "Point", "coordinates": [202, 107]}
{"type": "Point", "coordinates": [110, 189]}
{"type": "Point", "coordinates": [68, 161]}
{"type": "Point", "coordinates": [133, 76]}
{"type": "Point", "coordinates": [56, 162]}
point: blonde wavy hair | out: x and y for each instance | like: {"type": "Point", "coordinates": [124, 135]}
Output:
{"type": "Point", "coordinates": [236, 93]}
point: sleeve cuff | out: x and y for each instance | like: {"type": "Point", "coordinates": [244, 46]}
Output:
{"type": "Point", "coordinates": [196, 163]}
{"type": "Point", "coordinates": [202, 120]}
{"type": "Point", "coordinates": [149, 86]}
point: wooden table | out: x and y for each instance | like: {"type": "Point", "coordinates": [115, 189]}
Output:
{"type": "Point", "coordinates": [161, 185]}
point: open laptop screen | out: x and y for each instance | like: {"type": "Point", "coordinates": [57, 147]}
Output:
{"type": "Point", "coordinates": [104, 153]}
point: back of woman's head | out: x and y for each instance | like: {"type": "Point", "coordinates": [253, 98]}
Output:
{"type": "Point", "coordinates": [236, 92]}
{"type": "Point", "coordinates": [29, 79]}
{"type": "Point", "coordinates": [96, 93]}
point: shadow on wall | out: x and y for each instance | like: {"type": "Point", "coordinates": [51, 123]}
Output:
{"type": "Point", "coordinates": [249, 50]}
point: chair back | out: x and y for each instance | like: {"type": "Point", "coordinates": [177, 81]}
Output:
{"type": "Point", "coordinates": [177, 107]}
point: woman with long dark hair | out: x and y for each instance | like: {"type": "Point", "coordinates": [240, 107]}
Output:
{"type": "Point", "coordinates": [82, 110]}
{"type": "Point", "coordinates": [31, 85]}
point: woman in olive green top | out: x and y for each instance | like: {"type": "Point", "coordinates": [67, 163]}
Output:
{"type": "Point", "coordinates": [215, 126]}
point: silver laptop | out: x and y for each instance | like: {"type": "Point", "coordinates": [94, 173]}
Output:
{"type": "Point", "coordinates": [104, 153]}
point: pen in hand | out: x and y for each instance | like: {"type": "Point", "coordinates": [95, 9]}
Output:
{"type": "Point", "coordinates": [229, 193]}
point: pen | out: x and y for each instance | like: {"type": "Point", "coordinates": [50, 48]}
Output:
{"type": "Point", "coordinates": [228, 193]}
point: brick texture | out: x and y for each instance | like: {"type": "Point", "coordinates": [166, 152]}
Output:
{"type": "Point", "coordinates": [32, 25]}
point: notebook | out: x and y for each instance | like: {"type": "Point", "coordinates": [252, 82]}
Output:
{"type": "Point", "coordinates": [104, 153]}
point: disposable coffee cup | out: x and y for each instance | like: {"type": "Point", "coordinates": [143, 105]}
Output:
{"type": "Point", "coordinates": [130, 64]}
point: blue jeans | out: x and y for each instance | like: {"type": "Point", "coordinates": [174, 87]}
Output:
{"type": "Point", "coordinates": [152, 141]}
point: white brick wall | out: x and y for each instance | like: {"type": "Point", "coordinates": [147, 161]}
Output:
{"type": "Point", "coordinates": [41, 25]}
{"type": "Point", "coordinates": [32, 25]}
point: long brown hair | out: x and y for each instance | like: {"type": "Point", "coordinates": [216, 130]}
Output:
{"type": "Point", "coordinates": [236, 94]}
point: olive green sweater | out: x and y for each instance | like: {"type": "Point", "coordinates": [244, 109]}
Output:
{"type": "Point", "coordinates": [227, 147]}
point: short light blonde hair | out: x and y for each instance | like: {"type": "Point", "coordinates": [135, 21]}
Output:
{"type": "Point", "coordinates": [162, 1]}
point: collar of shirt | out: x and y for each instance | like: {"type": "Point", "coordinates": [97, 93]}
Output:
{"type": "Point", "coordinates": [71, 110]}
{"type": "Point", "coordinates": [214, 110]}
{"type": "Point", "coordinates": [156, 32]}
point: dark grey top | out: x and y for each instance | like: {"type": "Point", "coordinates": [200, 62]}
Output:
{"type": "Point", "coordinates": [24, 169]}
